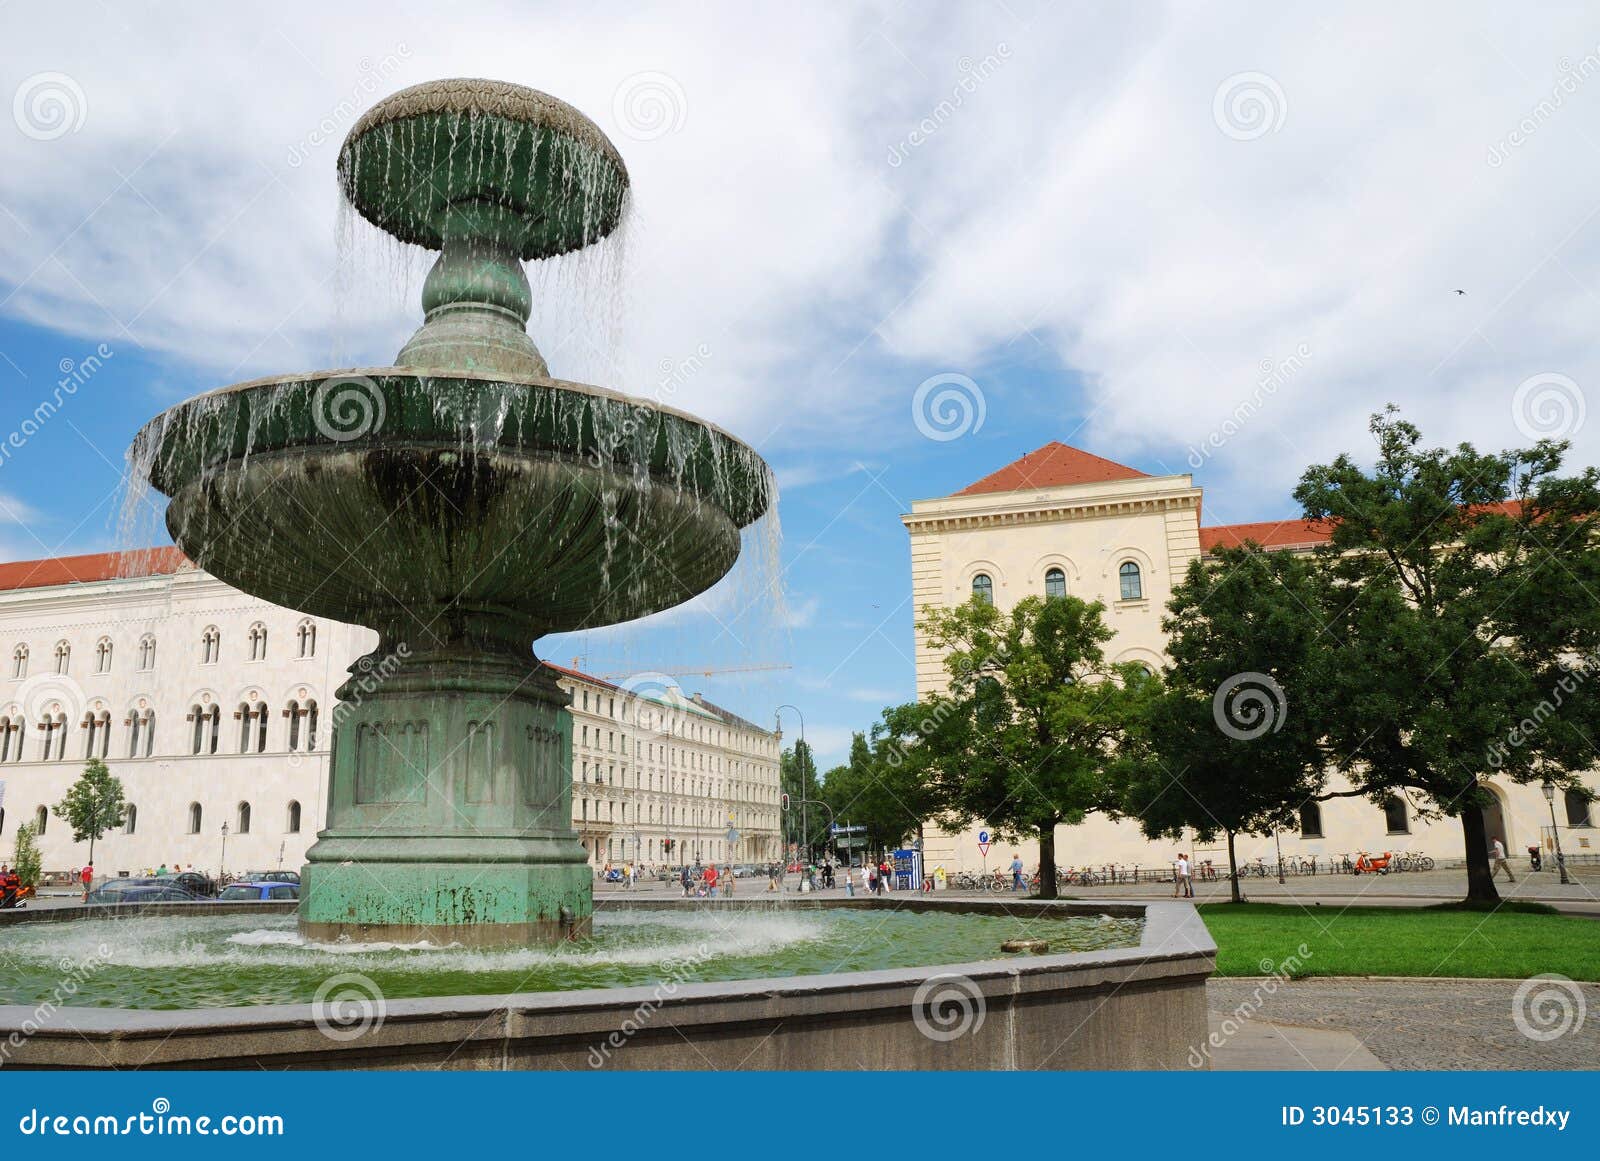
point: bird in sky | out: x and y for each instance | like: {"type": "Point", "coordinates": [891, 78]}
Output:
{"type": "Point", "coordinates": [1461, 292]}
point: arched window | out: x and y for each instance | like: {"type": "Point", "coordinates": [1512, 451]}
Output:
{"type": "Point", "coordinates": [19, 661]}
{"type": "Point", "coordinates": [63, 657]}
{"type": "Point", "coordinates": [41, 816]}
{"type": "Point", "coordinates": [102, 655]}
{"type": "Point", "coordinates": [1311, 820]}
{"type": "Point", "coordinates": [1394, 816]}
{"type": "Point", "coordinates": [135, 723]}
{"type": "Point", "coordinates": [294, 818]}
{"type": "Point", "coordinates": [207, 726]}
{"type": "Point", "coordinates": [1055, 583]}
{"type": "Point", "coordinates": [258, 642]}
{"type": "Point", "coordinates": [311, 724]}
{"type": "Point", "coordinates": [292, 712]}
{"type": "Point", "coordinates": [210, 645]}
{"type": "Point", "coordinates": [130, 819]}
{"type": "Point", "coordinates": [983, 588]}
{"type": "Point", "coordinates": [147, 652]}
{"type": "Point", "coordinates": [194, 818]}
{"type": "Point", "coordinates": [261, 727]}
{"type": "Point", "coordinates": [1577, 809]}
{"type": "Point", "coordinates": [243, 715]}
{"type": "Point", "coordinates": [1132, 582]}
{"type": "Point", "coordinates": [10, 740]}
{"type": "Point", "coordinates": [243, 819]}
{"type": "Point", "coordinates": [54, 728]}
{"type": "Point", "coordinates": [306, 635]}
{"type": "Point", "coordinates": [102, 731]}
{"type": "Point", "coordinates": [196, 716]}
{"type": "Point", "coordinates": [2, 820]}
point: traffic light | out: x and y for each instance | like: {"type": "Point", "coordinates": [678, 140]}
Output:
{"type": "Point", "coordinates": [785, 802]}
{"type": "Point", "coordinates": [666, 845]}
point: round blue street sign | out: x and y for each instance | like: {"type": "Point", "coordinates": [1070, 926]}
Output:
{"type": "Point", "coordinates": [983, 836]}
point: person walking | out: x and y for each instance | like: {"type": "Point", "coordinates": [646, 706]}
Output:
{"type": "Point", "coordinates": [849, 883]}
{"type": "Point", "coordinates": [1185, 876]}
{"type": "Point", "coordinates": [9, 885]}
{"type": "Point", "coordinates": [711, 881]}
{"type": "Point", "coordinates": [1497, 856]}
{"type": "Point", "coordinates": [1016, 872]}
{"type": "Point", "coordinates": [685, 879]}
{"type": "Point", "coordinates": [87, 875]}
{"type": "Point", "coordinates": [727, 881]}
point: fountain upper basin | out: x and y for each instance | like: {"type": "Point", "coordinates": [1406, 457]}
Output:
{"type": "Point", "coordinates": [388, 496]}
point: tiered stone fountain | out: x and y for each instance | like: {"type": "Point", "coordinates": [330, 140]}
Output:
{"type": "Point", "coordinates": [461, 503]}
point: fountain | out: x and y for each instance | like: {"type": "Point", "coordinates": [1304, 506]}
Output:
{"type": "Point", "coordinates": [461, 503]}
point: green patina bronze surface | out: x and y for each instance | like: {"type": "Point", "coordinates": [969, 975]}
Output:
{"type": "Point", "coordinates": [462, 503]}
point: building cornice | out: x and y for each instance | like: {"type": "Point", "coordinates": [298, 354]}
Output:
{"type": "Point", "coordinates": [1045, 508]}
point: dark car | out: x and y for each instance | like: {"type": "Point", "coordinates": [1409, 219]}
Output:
{"type": "Point", "coordinates": [195, 883]}
{"type": "Point", "coordinates": [119, 891]}
{"type": "Point", "coordinates": [258, 892]}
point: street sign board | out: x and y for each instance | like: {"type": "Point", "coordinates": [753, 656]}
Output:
{"type": "Point", "coordinates": [733, 835]}
{"type": "Point", "coordinates": [983, 838]}
{"type": "Point", "coordinates": [983, 848]}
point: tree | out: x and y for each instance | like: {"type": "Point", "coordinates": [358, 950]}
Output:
{"type": "Point", "coordinates": [797, 777]}
{"type": "Point", "coordinates": [1466, 622]}
{"type": "Point", "coordinates": [1232, 740]}
{"type": "Point", "coordinates": [878, 789]}
{"type": "Point", "coordinates": [94, 804]}
{"type": "Point", "coordinates": [1035, 721]}
{"type": "Point", "coordinates": [26, 860]}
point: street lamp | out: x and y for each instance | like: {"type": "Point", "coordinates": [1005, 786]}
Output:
{"type": "Point", "coordinates": [1549, 789]}
{"type": "Point", "coordinates": [222, 861]}
{"type": "Point", "coordinates": [778, 714]}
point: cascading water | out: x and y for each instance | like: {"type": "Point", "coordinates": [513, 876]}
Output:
{"type": "Point", "coordinates": [462, 503]}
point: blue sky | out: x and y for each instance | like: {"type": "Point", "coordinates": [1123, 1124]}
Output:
{"type": "Point", "coordinates": [1119, 224]}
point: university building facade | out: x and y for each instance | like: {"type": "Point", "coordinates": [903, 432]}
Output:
{"type": "Point", "coordinates": [216, 709]}
{"type": "Point", "coordinates": [1060, 520]}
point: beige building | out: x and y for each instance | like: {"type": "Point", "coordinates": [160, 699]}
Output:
{"type": "Point", "coordinates": [1060, 520]}
{"type": "Point", "coordinates": [216, 709]}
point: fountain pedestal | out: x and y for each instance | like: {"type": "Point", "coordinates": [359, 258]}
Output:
{"type": "Point", "coordinates": [450, 806]}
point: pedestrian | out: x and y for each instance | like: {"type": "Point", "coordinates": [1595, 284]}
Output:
{"type": "Point", "coordinates": [849, 883]}
{"type": "Point", "coordinates": [1497, 856]}
{"type": "Point", "coordinates": [711, 881]}
{"type": "Point", "coordinates": [1185, 876]}
{"type": "Point", "coordinates": [772, 876]}
{"type": "Point", "coordinates": [869, 879]}
{"type": "Point", "coordinates": [9, 885]}
{"type": "Point", "coordinates": [87, 875]}
{"type": "Point", "coordinates": [685, 879]}
{"type": "Point", "coordinates": [727, 881]}
{"type": "Point", "coordinates": [161, 870]}
{"type": "Point", "coordinates": [1016, 872]}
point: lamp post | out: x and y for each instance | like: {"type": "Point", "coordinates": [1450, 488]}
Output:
{"type": "Point", "coordinates": [222, 860]}
{"type": "Point", "coordinates": [778, 714]}
{"type": "Point", "coordinates": [1549, 789]}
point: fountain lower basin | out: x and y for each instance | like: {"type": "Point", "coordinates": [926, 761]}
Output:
{"type": "Point", "coordinates": [747, 983]}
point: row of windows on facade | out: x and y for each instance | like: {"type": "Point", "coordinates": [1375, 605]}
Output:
{"type": "Point", "coordinates": [140, 725]}
{"type": "Point", "coordinates": [130, 819]}
{"type": "Point", "coordinates": [736, 789]}
{"type": "Point", "coordinates": [210, 649]}
{"type": "Point", "coordinates": [1397, 821]}
{"type": "Point", "coordinates": [650, 716]}
{"type": "Point", "coordinates": [673, 815]}
{"type": "Point", "coordinates": [1129, 578]}
{"type": "Point", "coordinates": [646, 752]}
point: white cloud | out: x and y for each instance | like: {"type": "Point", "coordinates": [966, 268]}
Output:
{"type": "Point", "coordinates": [1079, 199]}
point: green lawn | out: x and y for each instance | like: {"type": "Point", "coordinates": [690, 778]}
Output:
{"type": "Point", "coordinates": [1396, 941]}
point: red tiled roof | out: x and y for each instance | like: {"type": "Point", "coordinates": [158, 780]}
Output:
{"type": "Point", "coordinates": [1267, 533]}
{"type": "Point", "coordinates": [1052, 465]}
{"type": "Point", "coordinates": [95, 566]}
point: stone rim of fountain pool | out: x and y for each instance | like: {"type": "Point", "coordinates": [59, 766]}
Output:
{"type": "Point", "coordinates": [1139, 1007]}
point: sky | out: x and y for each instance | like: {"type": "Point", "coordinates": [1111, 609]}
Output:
{"type": "Point", "coordinates": [898, 245]}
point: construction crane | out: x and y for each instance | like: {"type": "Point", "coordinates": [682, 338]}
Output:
{"type": "Point", "coordinates": [686, 670]}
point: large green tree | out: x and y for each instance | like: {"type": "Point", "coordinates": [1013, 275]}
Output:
{"type": "Point", "coordinates": [1035, 721]}
{"type": "Point", "coordinates": [1466, 620]}
{"type": "Point", "coordinates": [93, 805]}
{"type": "Point", "coordinates": [879, 789]}
{"type": "Point", "coordinates": [797, 777]}
{"type": "Point", "coordinates": [25, 860]}
{"type": "Point", "coordinates": [1232, 742]}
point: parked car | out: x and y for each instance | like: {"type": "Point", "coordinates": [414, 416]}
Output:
{"type": "Point", "coordinates": [258, 892]}
{"type": "Point", "coordinates": [268, 877]}
{"type": "Point", "coordinates": [120, 891]}
{"type": "Point", "coordinates": [195, 883]}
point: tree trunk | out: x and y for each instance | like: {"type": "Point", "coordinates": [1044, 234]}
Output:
{"type": "Point", "coordinates": [1233, 872]}
{"type": "Point", "coordinates": [1047, 861]}
{"type": "Point", "coordinates": [1480, 875]}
